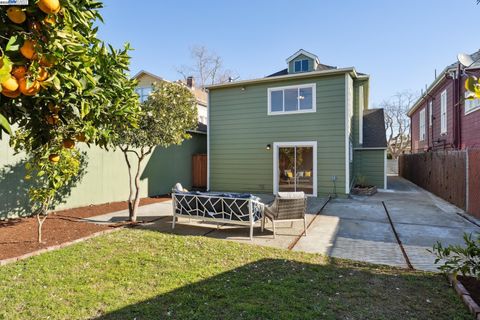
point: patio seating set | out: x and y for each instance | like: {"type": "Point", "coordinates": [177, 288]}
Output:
{"type": "Point", "coordinates": [238, 209]}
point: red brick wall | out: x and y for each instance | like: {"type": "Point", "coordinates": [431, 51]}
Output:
{"type": "Point", "coordinates": [434, 139]}
{"type": "Point", "coordinates": [470, 128]}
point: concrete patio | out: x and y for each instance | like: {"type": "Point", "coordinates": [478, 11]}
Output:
{"type": "Point", "coordinates": [357, 228]}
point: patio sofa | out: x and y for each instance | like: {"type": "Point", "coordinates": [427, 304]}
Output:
{"type": "Point", "coordinates": [231, 208]}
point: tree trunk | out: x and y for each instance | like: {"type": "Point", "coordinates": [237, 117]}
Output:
{"type": "Point", "coordinates": [130, 183]}
{"type": "Point", "coordinates": [40, 221]}
{"type": "Point", "coordinates": [136, 200]}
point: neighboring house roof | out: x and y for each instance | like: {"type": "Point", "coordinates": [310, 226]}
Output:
{"type": "Point", "coordinates": [305, 53]}
{"type": "Point", "coordinates": [142, 72]}
{"type": "Point", "coordinates": [320, 67]}
{"type": "Point", "coordinates": [438, 80]}
{"type": "Point", "coordinates": [374, 129]}
{"type": "Point", "coordinates": [200, 94]}
{"type": "Point", "coordinates": [302, 75]}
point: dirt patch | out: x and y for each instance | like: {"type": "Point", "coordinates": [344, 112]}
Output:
{"type": "Point", "coordinates": [473, 287]}
{"type": "Point", "coordinates": [19, 236]}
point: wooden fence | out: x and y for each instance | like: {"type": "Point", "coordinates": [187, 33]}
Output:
{"type": "Point", "coordinates": [199, 171]}
{"type": "Point", "coordinates": [451, 175]}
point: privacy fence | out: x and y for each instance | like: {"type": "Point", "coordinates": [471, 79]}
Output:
{"type": "Point", "coordinates": [451, 175]}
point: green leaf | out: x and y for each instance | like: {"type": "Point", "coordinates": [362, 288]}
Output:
{"type": "Point", "coordinates": [13, 44]}
{"type": "Point", "coordinates": [5, 69]}
{"type": "Point", "coordinates": [5, 125]}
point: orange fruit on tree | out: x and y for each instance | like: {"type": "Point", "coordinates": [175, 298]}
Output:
{"type": "Point", "coordinates": [49, 6]}
{"type": "Point", "coordinates": [10, 84]}
{"type": "Point", "coordinates": [19, 72]}
{"type": "Point", "coordinates": [11, 94]}
{"type": "Point", "coordinates": [52, 119]}
{"type": "Point", "coordinates": [54, 158]}
{"type": "Point", "coordinates": [42, 74]}
{"type": "Point", "coordinates": [68, 143]}
{"type": "Point", "coordinates": [16, 15]}
{"type": "Point", "coordinates": [30, 90]}
{"type": "Point", "coordinates": [28, 49]}
{"type": "Point", "coordinates": [50, 20]}
{"type": "Point", "coordinates": [81, 137]}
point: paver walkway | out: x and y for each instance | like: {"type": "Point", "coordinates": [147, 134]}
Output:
{"type": "Point", "coordinates": [357, 228]}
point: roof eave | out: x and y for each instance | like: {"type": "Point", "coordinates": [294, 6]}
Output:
{"type": "Point", "coordinates": [311, 74]}
{"type": "Point", "coordinates": [432, 86]}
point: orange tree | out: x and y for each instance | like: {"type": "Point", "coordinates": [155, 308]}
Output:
{"type": "Point", "coordinates": [60, 85]}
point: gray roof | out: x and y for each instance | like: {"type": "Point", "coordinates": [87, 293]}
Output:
{"type": "Point", "coordinates": [374, 135]}
{"type": "Point", "coordinates": [202, 127]}
{"type": "Point", "coordinates": [320, 67]}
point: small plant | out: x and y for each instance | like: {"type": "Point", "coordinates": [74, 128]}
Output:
{"type": "Point", "coordinates": [457, 259]}
{"type": "Point", "coordinates": [361, 181]}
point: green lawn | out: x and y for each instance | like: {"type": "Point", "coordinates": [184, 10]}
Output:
{"type": "Point", "coordinates": [137, 274]}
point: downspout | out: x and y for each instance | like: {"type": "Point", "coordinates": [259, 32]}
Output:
{"type": "Point", "coordinates": [459, 106]}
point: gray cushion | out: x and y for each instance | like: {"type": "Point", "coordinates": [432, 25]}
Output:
{"type": "Point", "coordinates": [291, 195]}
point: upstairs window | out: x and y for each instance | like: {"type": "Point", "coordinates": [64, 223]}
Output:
{"type": "Point", "coordinates": [443, 112]}
{"type": "Point", "coordinates": [143, 93]}
{"type": "Point", "coordinates": [301, 65]}
{"type": "Point", "coordinates": [471, 104]}
{"type": "Point", "coordinates": [422, 125]}
{"type": "Point", "coordinates": [292, 99]}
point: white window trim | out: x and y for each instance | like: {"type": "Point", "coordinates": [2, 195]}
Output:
{"type": "Point", "coordinates": [422, 125]}
{"type": "Point", "coordinates": [301, 65]}
{"type": "Point", "coordinates": [314, 99]}
{"type": "Point", "coordinates": [471, 109]}
{"type": "Point", "coordinates": [443, 112]}
{"type": "Point", "coordinates": [430, 113]}
{"type": "Point", "coordinates": [277, 145]}
{"type": "Point", "coordinates": [361, 105]}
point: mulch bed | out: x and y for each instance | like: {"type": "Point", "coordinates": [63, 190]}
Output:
{"type": "Point", "coordinates": [19, 236]}
{"type": "Point", "coordinates": [473, 287]}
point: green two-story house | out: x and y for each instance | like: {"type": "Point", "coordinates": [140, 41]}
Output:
{"type": "Point", "coordinates": [305, 128]}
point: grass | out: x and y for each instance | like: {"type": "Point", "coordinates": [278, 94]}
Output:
{"type": "Point", "coordinates": [138, 274]}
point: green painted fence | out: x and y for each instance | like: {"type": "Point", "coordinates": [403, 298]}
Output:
{"type": "Point", "coordinates": [104, 179]}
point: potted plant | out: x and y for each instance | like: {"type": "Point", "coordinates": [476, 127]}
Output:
{"type": "Point", "coordinates": [362, 188]}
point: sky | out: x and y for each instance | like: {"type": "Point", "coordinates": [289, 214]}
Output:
{"type": "Point", "coordinates": [399, 44]}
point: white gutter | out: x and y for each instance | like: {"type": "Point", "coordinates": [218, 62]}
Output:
{"type": "Point", "coordinates": [311, 74]}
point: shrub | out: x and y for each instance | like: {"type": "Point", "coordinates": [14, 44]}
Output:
{"type": "Point", "coordinates": [457, 259]}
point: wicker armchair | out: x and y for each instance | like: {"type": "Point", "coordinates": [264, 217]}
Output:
{"type": "Point", "coordinates": [287, 206]}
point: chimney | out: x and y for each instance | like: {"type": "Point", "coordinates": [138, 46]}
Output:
{"type": "Point", "coordinates": [190, 82]}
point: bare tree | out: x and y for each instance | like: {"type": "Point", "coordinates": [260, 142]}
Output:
{"type": "Point", "coordinates": [207, 68]}
{"type": "Point", "coordinates": [397, 122]}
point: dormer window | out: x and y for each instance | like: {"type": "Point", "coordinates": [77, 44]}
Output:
{"type": "Point", "coordinates": [301, 65]}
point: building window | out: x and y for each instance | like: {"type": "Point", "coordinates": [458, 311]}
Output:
{"type": "Point", "coordinates": [430, 113]}
{"type": "Point", "coordinates": [143, 93]}
{"type": "Point", "coordinates": [471, 104]}
{"type": "Point", "coordinates": [443, 112]}
{"type": "Point", "coordinates": [292, 99]}
{"type": "Point", "coordinates": [301, 65]}
{"type": "Point", "coordinates": [422, 125]}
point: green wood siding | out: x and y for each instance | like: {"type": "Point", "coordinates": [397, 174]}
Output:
{"type": "Point", "coordinates": [371, 165]}
{"type": "Point", "coordinates": [291, 64]}
{"type": "Point", "coordinates": [105, 178]}
{"type": "Point", "coordinates": [240, 130]}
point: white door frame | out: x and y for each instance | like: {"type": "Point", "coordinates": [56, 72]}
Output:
{"type": "Point", "coordinates": [277, 145]}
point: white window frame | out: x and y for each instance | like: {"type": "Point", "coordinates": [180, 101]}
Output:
{"type": "Point", "coordinates": [301, 65]}
{"type": "Point", "coordinates": [139, 91]}
{"type": "Point", "coordinates": [361, 104]}
{"type": "Point", "coordinates": [443, 112]}
{"type": "Point", "coordinates": [430, 113]}
{"type": "Point", "coordinates": [314, 99]}
{"type": "Point", "coordinates": [471, 105]}
{"type": "Point", "coordinates": [278, 145]}
{"type": "Point", "coordinates": [422, 125]}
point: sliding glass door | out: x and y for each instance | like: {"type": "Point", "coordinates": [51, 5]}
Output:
{"type": "Point", "coordinates": [295, 167]}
